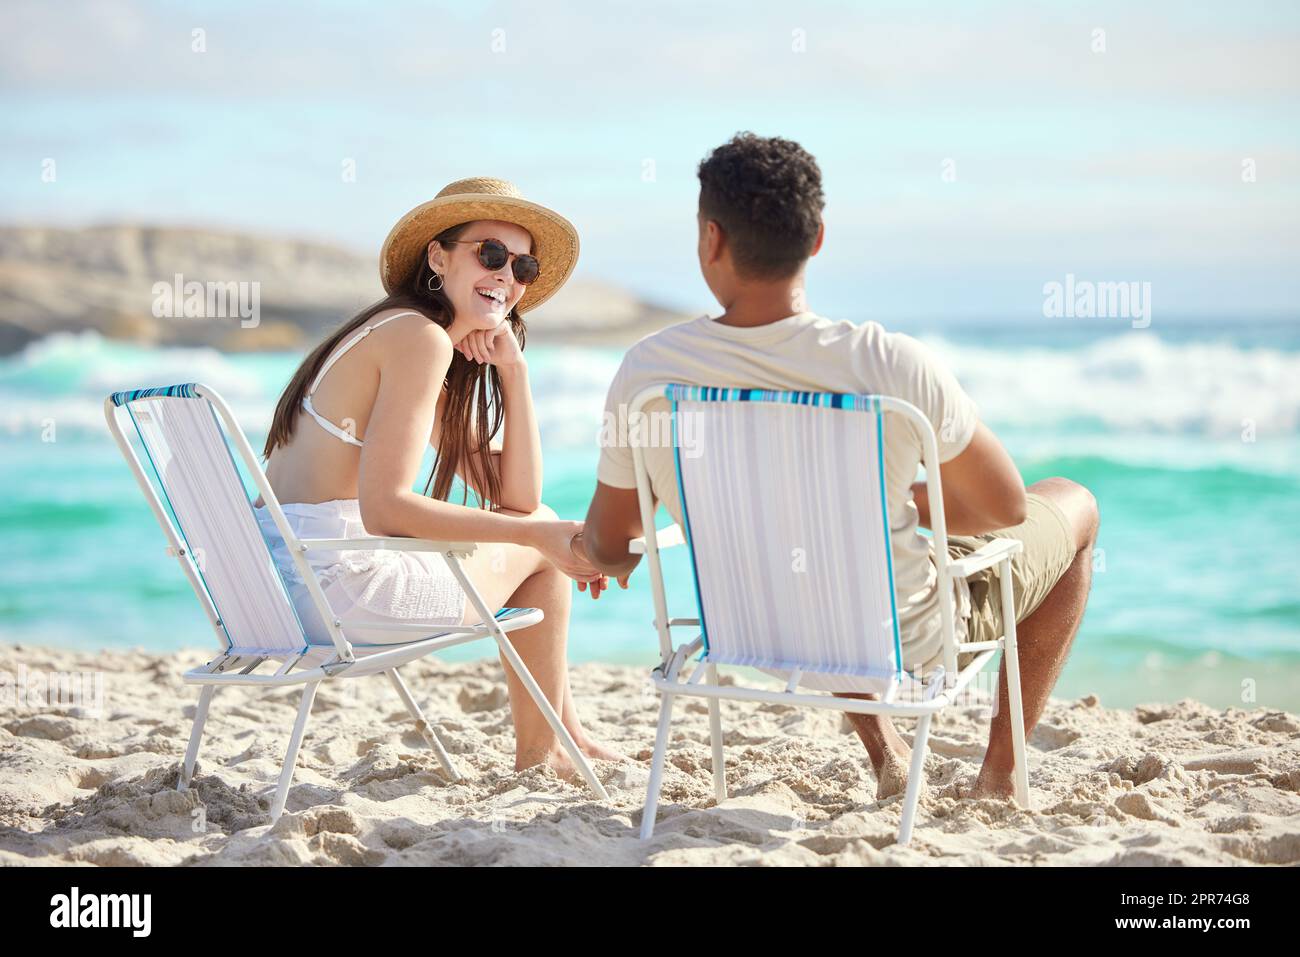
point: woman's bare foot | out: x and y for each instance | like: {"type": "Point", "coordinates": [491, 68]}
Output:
{"type": "Point", "coordinates": [556, 758]}
{"type": "Point", "coordinates": [598, 752]}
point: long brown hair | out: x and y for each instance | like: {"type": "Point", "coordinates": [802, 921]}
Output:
{"type": "Point", "coordinates": [472, 391]}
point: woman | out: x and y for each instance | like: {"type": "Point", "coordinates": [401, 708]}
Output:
{"type": "Point", "coordinates": [417, 369]}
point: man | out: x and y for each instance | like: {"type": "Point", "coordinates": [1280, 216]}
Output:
{"type": "Point", "coordinates": [759, 222]}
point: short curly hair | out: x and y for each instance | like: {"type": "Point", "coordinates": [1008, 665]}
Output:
{"type": "Point", "coordinates": [766, 194]}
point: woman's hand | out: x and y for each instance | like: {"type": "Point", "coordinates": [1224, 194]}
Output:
{"type": "Point", "coordinates": [554, 539]}
{"type": "Point", "coordinates": [497, 346]}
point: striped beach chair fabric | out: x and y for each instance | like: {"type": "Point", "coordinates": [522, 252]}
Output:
{"type": "Point", "coordinates": [787, 527]}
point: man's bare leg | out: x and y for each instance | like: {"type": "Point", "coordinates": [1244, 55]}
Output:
{"type": "Point", "coordinates": [1044, 638]}
{"type": "Point", "coordinates": [889, 753]}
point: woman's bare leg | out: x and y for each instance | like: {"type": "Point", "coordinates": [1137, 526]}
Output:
{"type": "Point", "coordinates": [588, 745]}
{"type": "Point", "coordinates": [509, 575]}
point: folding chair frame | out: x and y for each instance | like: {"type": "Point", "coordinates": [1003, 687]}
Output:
{"type": "Point", "coordinates": [233, 667]}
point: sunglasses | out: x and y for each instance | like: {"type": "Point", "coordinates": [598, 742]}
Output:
{"type": "Point", "coordinates": [493, 254]}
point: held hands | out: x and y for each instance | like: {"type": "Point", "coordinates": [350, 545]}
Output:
{"type": "Point", "coordinates": [497, 346]}
{"type": "Point", "coordinates": [578, 547]}
{"type": "Point", "coordinates": [561, 543]}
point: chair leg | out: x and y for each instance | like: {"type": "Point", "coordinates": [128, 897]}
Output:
{"type": "Point", "coordinates": [1011, 658]}
{"type": "Point", "coordinates": [291, 756]}
{"type": "Point", "coordinates": [656, 769]}
{"type": "Point", "coordinates": [715, 736]}
{"type": "Point", "coordinates": [915, 775]}
{"type": "Point", "coordinates": [427, 731]}
{"type": "Point", "coordinates": [548, 712]}
{"type": "Point", "coordinates": [196, 734]}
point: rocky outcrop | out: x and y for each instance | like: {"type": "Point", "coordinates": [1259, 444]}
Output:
{"type": "Point", "coordinates": [236, 292]}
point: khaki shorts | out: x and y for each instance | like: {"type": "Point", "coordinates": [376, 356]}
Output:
{"type": "Point", "coordinates": [1048, 553]}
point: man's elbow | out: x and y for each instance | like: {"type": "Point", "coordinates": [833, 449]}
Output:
{"type": "Point", "coordinates": [1017, 509]}
{"type": "Point", "coordinates": [610, 557]}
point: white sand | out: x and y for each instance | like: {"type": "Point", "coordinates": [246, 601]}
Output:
{"type": "Point", "coordinates": [1175, 784]}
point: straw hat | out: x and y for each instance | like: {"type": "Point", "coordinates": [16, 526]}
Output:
{"type": "Point", "coordinates": [555, 241]}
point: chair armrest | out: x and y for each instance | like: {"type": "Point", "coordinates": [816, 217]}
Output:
{"type": "Point", "coordinates": [987, 555]}
{"type": "Point", "coordinates": [665, 537]}
{"type": "Point", "coordinates": [379, 543]}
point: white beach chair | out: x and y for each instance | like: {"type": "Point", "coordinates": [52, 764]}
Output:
{"type": "Point", "coordinates": [784, 506]}
{"type": "Point", "coordinates": [207, 516]}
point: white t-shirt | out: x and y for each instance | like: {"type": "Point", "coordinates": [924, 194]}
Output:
{"type": "Point", "coordinates": [806, 352]}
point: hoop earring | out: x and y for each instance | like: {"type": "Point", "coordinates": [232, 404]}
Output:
{"type": "Point", "coordinates": [432, 287]}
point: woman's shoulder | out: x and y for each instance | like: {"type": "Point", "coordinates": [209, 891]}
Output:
{"type": "Point", "coordinates": [408, 344]}
{"type": "Point", "coordinates": [403, 325]}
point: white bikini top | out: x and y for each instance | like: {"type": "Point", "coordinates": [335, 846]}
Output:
{"type": "Point", "coordinates": [325, 423]}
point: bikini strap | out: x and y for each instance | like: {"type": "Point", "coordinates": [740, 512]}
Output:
{"type": "Point", "coordinates": [350, 343]}
{"type": "Point", "coordinates": [327, 425]}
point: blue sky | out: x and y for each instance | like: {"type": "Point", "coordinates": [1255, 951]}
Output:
{"type": "Point", "coordinates": [1117, 165]}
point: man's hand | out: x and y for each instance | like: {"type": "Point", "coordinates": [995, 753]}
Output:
{"type": "Point", "coordinates": [613, 520]}
{"type": "Point", "coordinates": [600, 584]}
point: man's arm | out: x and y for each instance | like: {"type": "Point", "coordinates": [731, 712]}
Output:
{"type": "Point", "coordinates": [613, 520]}
{"type": "Point", "coordinates": [982, 488]}
{"type": "Point", "coordinates": [982, 491]}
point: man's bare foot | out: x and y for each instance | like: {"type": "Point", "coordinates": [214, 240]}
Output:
{"type": "Point", "coordinates": [879, 736]}
{"type": "Point", "coordinates": [993, 784]}
{"type": "Point", "coordinates": [891, 776]}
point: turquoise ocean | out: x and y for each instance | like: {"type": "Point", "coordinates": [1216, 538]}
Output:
{"type": "Point", "coordinates": [1187, 432]}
